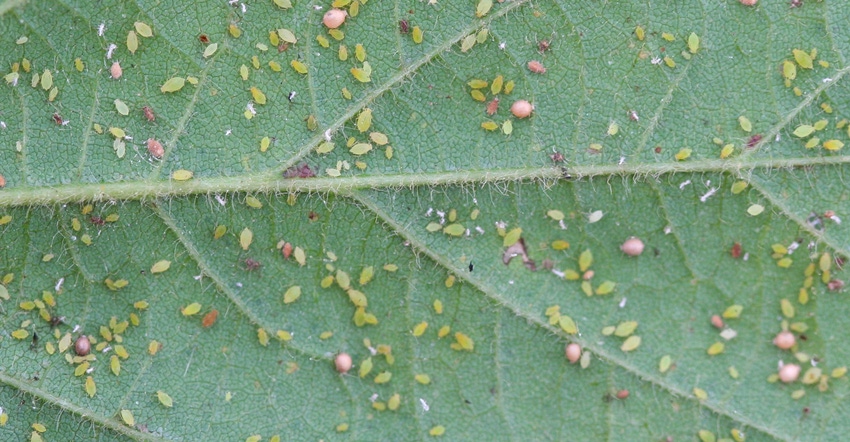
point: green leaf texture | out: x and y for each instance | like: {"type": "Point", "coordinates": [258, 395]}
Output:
{"type": "Point", "coordinates": [337, 192]}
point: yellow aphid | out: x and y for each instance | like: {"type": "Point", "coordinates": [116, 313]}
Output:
{"type": "Point", "coordinates": [467, 43]}
{"type": "Point", "coordinates": [700, 393]}
{"type": "Point", "coordinates": [483, 7]}
{"type": "Point", "coordinates": [625, 328]}
{"type": "Point", "coordinates": [438, 307]}
{"type": "Point", "coordinates": [234, 30]}
{"type": "Point", "coordinates": [154, 347]}
{"type": "Point", "coordinates": [787, 308]}
{"type": "Point", "coordinates": [364, 120]}
{"type": "Point", "coordinates": [173, 84]}
{"type": "Point", "coordinates": [693, 43]}
{"type": "Point", "coordinates": [664, 363]}
{"type": "Point", "coordinates": [567, 324]}
{"type": "Point", "coordinates": [489, 125]}
{"type": "Point", "coordinates": [733, 311]}
{"type": "Point", "coordinates": [132, 42]}
{"type": "Point", "coordinates": [631, 343]}
{"type": "Point", "coordinates": [164, 398]}
{"type": "Point", "coordinates": [20, 334]}
{"type": "Point", "coordinates": [444, 331]}
{"type": "Point", "coordinates": [263, 337]}
{"type": "Point", "coordinates": [78, 64]}
{"type": "Point", "coordinates": [833, 145]}
{"type": "Point", "coordinates": [417, 34]}
{"type": "Point", "coordinates": [423, 379]}
{"type": "Point", "coordinates": [360, 53]}
{"type": "Point", "coordinates": [726, 151]}
{"type": "Point", "coordinates": [246, 237]}
{"type": "Point", "coordinates": [191, 309]}
{"type": "Point", "coordinates": [127, 417]}
{"type": "Point", "coordinates": [464, 341]}
{"type": "Point", "coordinates": [258, 95]}
{"type": "Point", "coordinates": [439, 430]}
{"type": "Point", "coordinates": [585, 260]}
{"type": "Point", "coordinates": [716, 348]}
{"type": "Point", "coordinates": [91, 388]}
{"type": "Point", "coordinates": [362, 75]}
{"type": "Point", "coordinates": [640, 33]}
{"type": "Point", "coordinates": [394, 402]}
{"type": "Point", "coordinates": [420, 328]}
{"type": "Point", "coordinates": [383, 377]}
{"type": "Point", "coordinates": [803, 130]}
{"type": "Point", "coordinates": [496, 86]}
{"type": "Point", "coordinates": [669, 62]}
{"type": "Point", "coordinates": [683, 154]}
{"type": "Point", "coordinates": [299, 67]}
{"type": "Point", "coordinates": [182, 175]}
{"type": "Point", "coordinates": [803, 59]}
{"type": "Point", "coordinates": [323, 42]}
{"type": "Point", "coordinates": [605, 288]}
{"type": "Point", "coordinates": [160, 266]}
{"type": "Point", "coordinates": [115, 365]}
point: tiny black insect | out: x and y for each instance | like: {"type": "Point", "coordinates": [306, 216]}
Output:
{"type": "Point", "coordinates": [470, 266]}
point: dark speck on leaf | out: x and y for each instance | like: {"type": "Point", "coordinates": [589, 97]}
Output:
{"type": "Point", "coordinates": [754, 140]}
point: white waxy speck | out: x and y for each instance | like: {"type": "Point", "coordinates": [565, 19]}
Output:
{"type": "Point", "coordinates": [100, 29]}
{"type": "Point", "coordinates": [221, 200]}
{"type": "Point", "coordinates": [683, 184]}
{"type": "Point", "coordinates": [59, 283]}
{"type": "Point", "coordinates": [110, 50]}
{"type": "Point", "coordinates": [623, 302]}
{"type": "Point", "coordinates": [708, 194]}
{"type": "Point", "coordinates": [479, 229]}
{"type": "Point", "coordinates": [424, 404]}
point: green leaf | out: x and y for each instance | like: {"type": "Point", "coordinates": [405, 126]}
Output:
{"type": "Point", "coordinates": [183, 266]}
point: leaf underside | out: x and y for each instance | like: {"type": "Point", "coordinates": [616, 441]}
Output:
{"type": "Point", "coordinates": [408, 185]}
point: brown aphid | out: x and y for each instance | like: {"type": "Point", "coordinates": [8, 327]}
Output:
{"type": "Point", "coordinates": [116, 71]}
{"type": "Point", "coordinates": [753, 140]}
{"type": "Point", "coordinates": [283, 47]}
{"type": "Point", "coordinates": [543, 45]}
{"type": "Point", "coordinates": [789, 373]}
{"type": "Point", "coordinates": [717, 321]}
{"type": "Point", "coordinates": [251, 264]}
{"type": "Point", "coordinates": [736, 250]}
{"type": "Point", "coordinates": [403, 26]}
{"type": "Point", "coordinates": [300, 171]}
{"type": "Point", "coordinates": [313, 216]}
{"type": "Point", "coordinates": [82, 346]}
{"type": "Point", "coordinates": [573, 352]}
{"type": "Point", "coordinates": [209, 318]}
{"type": "Point", "coordinates": [835, 285]}
{"type": "Point", "coordinates": [522, 108]}
{"type": "Point", "coordinates": [632, 246]}
{"type": "Point", "coordinates": [204, 39]}
{"type": "Point", "coordinates": [342, 362]}
{"type": "Point", "coordinates": [148, 113]}
{"type": "Point", "coordinates": [749, 2]}
{"type": "Point", "coordinates": [155, 148]}
{"type": "Point", "coordinates": [286, 250]}
{"type": "Point", "coordinates": [2, 181]}
{"type": "Point", "coordinates": [96, 220]}
{"type": "Point", "coordinates": [57, 119]}
{"type": "Point", "coordinates": [56, 320]}
{"type": "Point", "coordinates": [557, 157]}
{"type": "Point", "coordinates": [334, 18]}
{"type": "Point", "coordinates": [493, 106]}
{"type": "Point", "coordinates": [536, 67]}
{"type": "Point", "coordinates": [622, 394]}
{"type": "Point", "coordinates": [796, 3]}
{"type": "Point", "coordinates": [657, 149]}
{"type": "Point", "coordinates": [784, 340]}
{"type": "Point", "coordinates": [588, 275]}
